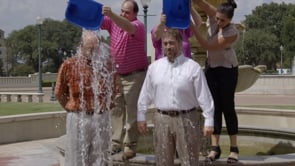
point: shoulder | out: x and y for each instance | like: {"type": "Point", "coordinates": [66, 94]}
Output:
{"type": "Point", "coordinates": [70, 61]}
{"type": "Point", "coordinates": [137, 23]}
{"type": "Point", "coordinates": [158, 63]}
{"type": "Point", "coordinates": [192, 64]}
{"type": "Point", "coordinates": [231, 30]}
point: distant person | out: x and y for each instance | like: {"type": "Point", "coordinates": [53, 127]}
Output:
{"type": "Point", "coordinates": [186, 34]}
{"type": "Point", "coordinates": [86, 94]}
{"type": "Point", "coordinates": [127, 45]}
{"type": "Point", "coordinates": [176, 85]}
{"type": "Point", "coordinates": [221, 72]}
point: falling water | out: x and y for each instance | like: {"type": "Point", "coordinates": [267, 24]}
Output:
{"type": "Point", "coordinates": [102, 83]}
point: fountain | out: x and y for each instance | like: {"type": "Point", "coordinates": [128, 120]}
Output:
{"type": "Point", "coordinates": [257, 118]}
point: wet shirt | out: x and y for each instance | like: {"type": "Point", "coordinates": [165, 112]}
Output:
{"type": "Point", "coordinates": [74, 87]}
{"type": "Point", "coordinates": [127, 49]}
{"type": "Point", "coordinates": [176, 86]}
{"type": "Point", "coordinates": [222, 57]}
{"type": "Point", "coordinates": [186, 47]}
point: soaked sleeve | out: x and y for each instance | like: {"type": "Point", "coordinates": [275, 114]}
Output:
{"type": "Point", "coordinates": [61, 88]}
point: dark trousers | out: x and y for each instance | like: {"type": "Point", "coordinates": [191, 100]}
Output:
{"type": "Point", "coordinates": [222, 83]}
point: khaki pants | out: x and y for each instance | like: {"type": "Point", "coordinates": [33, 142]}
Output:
{"type": "Point", "coordinates": [181, 133]}
{"type": "Point", "coordinates": [88, 139]}
{"type": "Point", "coordinates": [125, 111]}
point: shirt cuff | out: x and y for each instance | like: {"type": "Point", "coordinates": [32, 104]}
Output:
{"type": "Point", "coordinates": [141, 116]}
{"type": "Point", "coordinates": [209, 122]}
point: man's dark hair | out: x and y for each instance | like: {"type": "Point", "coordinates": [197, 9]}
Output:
{"type": "Point", "coordinates": [173, 32]}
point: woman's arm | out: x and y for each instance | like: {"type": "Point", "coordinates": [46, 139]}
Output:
{"type": "Point", "coordinates": [219, 42]}
{"type": "Point", "coordinates": [196, 18]}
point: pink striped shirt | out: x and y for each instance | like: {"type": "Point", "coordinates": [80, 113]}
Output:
{"type": "Point", "coordinates": [127, 49]}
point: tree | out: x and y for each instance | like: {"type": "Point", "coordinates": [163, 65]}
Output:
{"type": "Point", "coordinates": [259, 48]}
{"type": "Point", "coordinates": [268, 27]}
{"type": "Point", "coordinates": [1, 68]}
{"type": "Point", "coordinates": [56, 36]}
{"type": "Point", "coordinates": [288, 33]}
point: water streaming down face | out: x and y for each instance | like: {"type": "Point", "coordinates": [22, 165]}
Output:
{"type": "Point", "coordinates": [95, 130]}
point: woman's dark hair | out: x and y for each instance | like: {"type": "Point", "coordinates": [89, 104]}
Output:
{"type": "Point", "coordinates": [227, 8]}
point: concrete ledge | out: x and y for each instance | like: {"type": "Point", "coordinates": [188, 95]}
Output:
{"type": "Point", "coordinates": [276, 160]}
{"type": "Point", "coordinates": [27, 127]}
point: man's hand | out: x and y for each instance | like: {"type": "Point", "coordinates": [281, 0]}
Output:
{"type": "Point", "coordinates": [208, 131]}
{"type": "Point", "coordinates": [106, 10]}
{"type": "Point", "coordinates": [142, 127]}
{"type": "Point", "coordinates": [163, 19]}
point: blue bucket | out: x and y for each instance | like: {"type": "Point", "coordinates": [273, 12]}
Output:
{"type": "Point", "coordinates": [85, 13]}
{"type": "Point", "coordinates": [177, 13]}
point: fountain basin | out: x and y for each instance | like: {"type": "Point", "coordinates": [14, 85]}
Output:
{"type": "Point", "coordinates": [264, 123]}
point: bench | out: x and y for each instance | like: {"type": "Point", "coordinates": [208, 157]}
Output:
{"type": "Point", "coordinates": [19, 96]}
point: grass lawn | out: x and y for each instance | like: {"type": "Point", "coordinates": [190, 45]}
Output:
{"type": "Point", "coordinates": [14, 108]}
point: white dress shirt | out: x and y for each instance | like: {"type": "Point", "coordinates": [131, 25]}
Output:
{"type": "Point", "coordinates": [176, 86]}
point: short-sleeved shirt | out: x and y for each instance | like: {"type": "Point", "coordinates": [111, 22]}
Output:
{"type": "Point", "coordinates": [127, 50]}
{"type": "Point", "coordinates": [186, 47]}
{"type": "Point", "coordinates": [222, 57]}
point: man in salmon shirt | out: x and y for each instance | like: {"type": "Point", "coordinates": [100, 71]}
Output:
{"type": "Point", "coordinates": [127, 46]}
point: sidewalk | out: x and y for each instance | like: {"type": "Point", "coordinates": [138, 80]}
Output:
{"type": "Point", "coordinates": [278, 100]}
{"type": "Point", "coordinates": [31, 153]}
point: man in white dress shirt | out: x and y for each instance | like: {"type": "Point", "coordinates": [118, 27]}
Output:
{"type": "Point", "coordinates": [176, 85]}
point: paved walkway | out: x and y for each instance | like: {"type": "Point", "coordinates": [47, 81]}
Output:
{"type": "Point", "coordinates": [31, 153]}
{"type": "Point", "coordinates": [44, 152]}
{"type": "Point", "coordinates": [283, 100]}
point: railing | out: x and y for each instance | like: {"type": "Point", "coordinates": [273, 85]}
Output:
{"type": "Point", "coordinates": [26, 82]}
{"type": "Point", "coordinates": [20, 95]}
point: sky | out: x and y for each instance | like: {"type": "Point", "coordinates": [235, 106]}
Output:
{"type": "Point", "coordinates": [17, 14]}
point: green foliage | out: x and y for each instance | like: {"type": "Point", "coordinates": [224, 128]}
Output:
{"type": "Point", "coordinates": [22, 70]}
{"type": "Point", "coordinates": [46, 84]}
{"type": "Point", "coordinates": [59, 40]}
{"type": "Point", "coordinates": [267, 28]}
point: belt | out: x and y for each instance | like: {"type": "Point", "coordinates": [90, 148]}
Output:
{"type": "Point", "coordinates": [86, 112]}
{"type": "Point", "coordinates": [133, 72]}
{"type": "Point", "coordinates": [175, 113]}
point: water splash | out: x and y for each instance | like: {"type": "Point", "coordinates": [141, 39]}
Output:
{"type": "Point", "coordinates": [94, 131]}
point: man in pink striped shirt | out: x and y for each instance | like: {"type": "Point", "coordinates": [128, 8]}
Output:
{"type": "Point", "coordinates": [127, 37]}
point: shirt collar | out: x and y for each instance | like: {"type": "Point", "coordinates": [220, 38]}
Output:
{"type": "Point", "coordinates": [178, 60]}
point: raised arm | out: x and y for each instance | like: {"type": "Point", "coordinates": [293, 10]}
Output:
{"type": "Point", "coordinates": [196, 18]}
{"type": "Point", "coordinates": [209, 9]}
{"type": "Point", "coordinates": [122, 22]}
{"type": "Point", "coordinates": [159, 29]}
{"type": "Point", "coordinates": [218, 42]}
